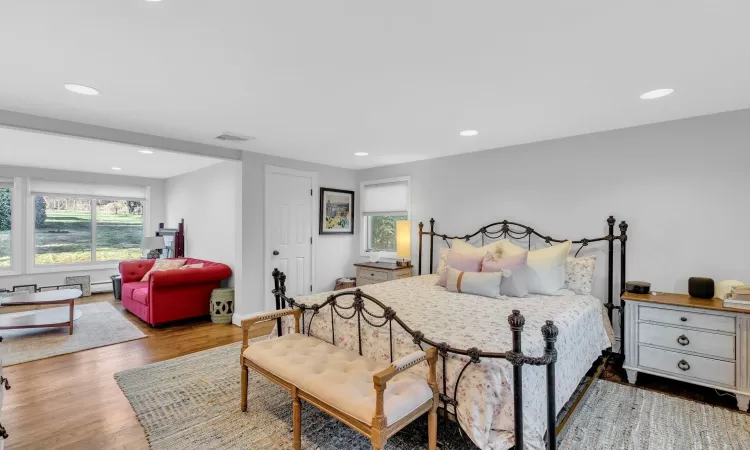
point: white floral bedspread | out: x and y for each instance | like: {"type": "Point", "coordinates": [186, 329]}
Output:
{"type": "Point", "coordinates": [485, 393]}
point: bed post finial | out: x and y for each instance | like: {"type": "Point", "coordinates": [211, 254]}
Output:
{"type": "Point", "coordinates": [419, 268]}
{"type": "Point", "coordinates": [516, 321]}
{"type": "Point", "coordinates": [611, 221]}
{"type": "Point", "coordinates": [549, 331]}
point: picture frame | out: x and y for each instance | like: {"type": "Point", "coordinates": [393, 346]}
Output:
{"type": "Point", "coordinates": [336, 211]}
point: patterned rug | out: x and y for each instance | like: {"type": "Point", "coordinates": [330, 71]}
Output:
{"type": "Point", "coordinates": [99, 325]}
{"type": "Point", "coordinates": [192, 402]}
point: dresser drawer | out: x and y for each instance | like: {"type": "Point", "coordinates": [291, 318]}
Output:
{"type": "Point", "coordinates": [684, 365]}
{"type": "Point", "coordinates": [364, 281]}
{"type": "Point", "coordinates": [375, 275]}
{"type": "Point", "coordinates": [686, 318]}
{"type": "Point", "coordinates": [710, 344]}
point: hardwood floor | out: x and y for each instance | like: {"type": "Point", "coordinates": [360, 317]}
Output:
{"type": "Point", "coordinates": [73, 402]}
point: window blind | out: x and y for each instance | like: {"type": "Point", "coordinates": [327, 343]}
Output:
{"type": "Point", "coordinates": [46, 187]}
{"type": "Point", "coordinates": [386, 199]}
{"type": "Point", "coordinates": [6, 182]}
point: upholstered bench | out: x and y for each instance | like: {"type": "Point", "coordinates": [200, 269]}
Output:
{"type": "Point", "coordinates": [363, 393]}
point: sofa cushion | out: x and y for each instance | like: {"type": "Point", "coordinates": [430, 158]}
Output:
{"type": "Point", "coordinates": [338, 376]}
{"type": "Point", "coordinates": [141, 295]}
{"type": "Point", "coordinates": [128, 288]}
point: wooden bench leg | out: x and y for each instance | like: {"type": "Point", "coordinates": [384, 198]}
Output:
{"type": "Point", "coordinates": [432, 429]}
{"type": "Point", "coordinates": [243, 393]}
{"type": "Point", "coordinates": [297, 419]}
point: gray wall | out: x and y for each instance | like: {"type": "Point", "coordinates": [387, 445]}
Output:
{"type": "Point", "coordinates": [54, 278]}
{"type": "Point", "coordinates": [682, 187]}
{"type": "Point", "coordinates": [207, 200]}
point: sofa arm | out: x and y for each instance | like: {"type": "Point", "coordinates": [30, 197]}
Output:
{"type": "Point", "coordinates": [181, 277]}
{"type": "Point", "coordinates": [134, 270]}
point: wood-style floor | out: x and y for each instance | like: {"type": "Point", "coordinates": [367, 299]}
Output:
{"type": "Point", "coordinates": [73, 402]}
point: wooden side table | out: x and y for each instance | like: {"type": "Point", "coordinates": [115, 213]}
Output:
{"type": "Point", "coordinates": [372, 273]}
{"type": "Point", "coordinates": [689, 339]}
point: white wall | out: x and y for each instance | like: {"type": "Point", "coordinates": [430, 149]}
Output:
{"type": "Point", "coordinates": [156, 215]}
{"type": "Point", "coordinates": [682, 187]}
{"type": "Point", "coordinates": [207, 200]}
{"type": "Point", "coordinates": [333, 256]}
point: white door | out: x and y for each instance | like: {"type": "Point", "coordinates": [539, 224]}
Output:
{"type": "Point", "coordinates": [289, 218]}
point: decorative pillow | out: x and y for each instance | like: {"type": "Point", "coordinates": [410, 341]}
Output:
{"type": "Point", "coordinates": [161, 265]}
{"type": "Point", "coordinates": [546, 274]}
{"type": "Point", "coordinates": [579, 274]}
{"type": "Point", "coordinates": [460, 261]}
{"type": "Point", "coordinates": [461, 246]}
{"type": "Point", "coordinates": [192, 266]}
{"type": "Point", "coordinates": [477, 283]}
{"type": "Point", "coordinates": [515, 283]}
{"type": "Point", "coordinates": [444, 252]}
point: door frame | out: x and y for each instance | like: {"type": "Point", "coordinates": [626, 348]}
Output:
{"type": "Point", "coordinates": [268, 267]}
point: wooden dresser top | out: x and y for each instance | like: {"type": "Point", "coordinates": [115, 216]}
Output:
{"type": "Point", "coordinates": [665, 298]}
{"type": "Point", "coordinates": [381, 266]}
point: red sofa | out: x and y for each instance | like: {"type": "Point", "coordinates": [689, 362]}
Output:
{"type": "Point", "coordinates": [172, 294]}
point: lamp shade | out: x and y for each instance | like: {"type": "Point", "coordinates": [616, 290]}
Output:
{"type": "Point", "coordinates": [152, 243]}
{"type": "Point", "coordinates": [403, 238]}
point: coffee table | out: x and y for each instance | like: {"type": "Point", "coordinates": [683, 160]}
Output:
{"type": "Point", "coordinates": [43, 318]}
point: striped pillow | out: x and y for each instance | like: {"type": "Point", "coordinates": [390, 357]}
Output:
{"type": "Point", "coordinates": [486, 284]}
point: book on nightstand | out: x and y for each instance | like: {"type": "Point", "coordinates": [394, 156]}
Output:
{"type": "Point", "coordinates": [738, 298]}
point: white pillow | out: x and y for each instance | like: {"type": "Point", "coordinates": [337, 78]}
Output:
{"type": "Point", "coordinates": [486, 284]}
{"type": "Point", "coordinates": [579, 274]}
{"type": "Point", "coordinates": [546, 266]}
{"type": "Point", "coordinates": [461, 246]}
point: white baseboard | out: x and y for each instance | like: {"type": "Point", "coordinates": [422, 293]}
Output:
{"type": "Point", "coordinates": [238, 318]}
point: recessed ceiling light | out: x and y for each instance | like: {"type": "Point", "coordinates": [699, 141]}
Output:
{"type": "Point", "coordinates": [469, 133]}
{"type": "Point", "coordinates": [116, 168]}
{"type": "Point", "coordinates": [658, 93]}
{"type": "Point", "coordinates": [145, 152]}
{"type": "Point", "coordinates": [361, 154]}
{"type": "Point", "coordinates": [81, 89]}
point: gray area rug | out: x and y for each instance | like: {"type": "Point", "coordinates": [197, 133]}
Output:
{"type": "Point", "coordinates": [192, 402]}
{"type": "Point", "coordinates": [618, 416]}
{"type": "Point", "coordinates": [99, 325]}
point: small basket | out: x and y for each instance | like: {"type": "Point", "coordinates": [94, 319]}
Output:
{"type": "Point", "coordinates": [222, 305]}
{"type": "Point", "coordinates": [345, 283]}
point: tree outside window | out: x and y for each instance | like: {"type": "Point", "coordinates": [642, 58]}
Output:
{"type": "Point", "coordinates": [382, 233]}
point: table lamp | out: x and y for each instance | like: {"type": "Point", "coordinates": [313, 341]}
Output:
{"type": "Point", "coordinates": [153, 244]}
{"type": "Point", "coordinates": [403, 242]}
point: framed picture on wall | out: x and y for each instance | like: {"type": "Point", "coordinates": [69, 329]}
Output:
{"type": "Point", "coordinates": [336, 211]}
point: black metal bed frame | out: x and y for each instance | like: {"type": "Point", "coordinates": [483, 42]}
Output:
{"type": "Point", "coordinates": [357, 308]}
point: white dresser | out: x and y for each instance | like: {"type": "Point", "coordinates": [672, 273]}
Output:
{"type": "Point", "coordinates": [689, 339]}
{"type": "Point", "coordinates": [371, 273]}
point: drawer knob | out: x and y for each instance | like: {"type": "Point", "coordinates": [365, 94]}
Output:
{"type": "Point", "coordinates": [372, 274]}
{"type": "Point", "coordinates": [683, 365]}
{"type": "Point", "coordinates": [684, 319]}
{"type": "Point", "coordinates": [683, 340]}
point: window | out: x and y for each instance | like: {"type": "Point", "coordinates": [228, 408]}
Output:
{"type": "Point", "coordinates": [383, 203]}
{"type": "Point", "coordinates": [6, 222]}
{"type": "Point", "coordinates": [83, 224]}
{"type": "Point", "coordinates": [119, 229]}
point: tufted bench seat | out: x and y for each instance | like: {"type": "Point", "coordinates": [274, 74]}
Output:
{"type": "Point", "coordinates": [361, 392]}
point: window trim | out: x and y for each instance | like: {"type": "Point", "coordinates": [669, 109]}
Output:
{"type": "Point", "coordinates": [30, 230]}
{"type": "Point", "coordinates": [364, 222]}
{"type": "Point", "coordinates": [17, 230]}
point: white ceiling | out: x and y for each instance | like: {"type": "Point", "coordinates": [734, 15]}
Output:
{"type": "Point", "coordinates": [320, 80]}
{"type": "Point", "coordinates": [49, 151]}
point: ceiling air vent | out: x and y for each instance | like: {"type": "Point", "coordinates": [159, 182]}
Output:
{"type": "Point", "coordinates": [233, 137]}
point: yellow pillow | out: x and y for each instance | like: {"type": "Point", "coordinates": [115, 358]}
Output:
{"type": "Point", "coordinates": [161, 265]}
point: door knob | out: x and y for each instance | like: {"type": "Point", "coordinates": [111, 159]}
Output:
{"type": "Point", "coordinates": [275, 253]}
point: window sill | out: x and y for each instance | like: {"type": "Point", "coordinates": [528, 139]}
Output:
{"type": "Point", "coordinates": [108, 265]}
{"type": "Point", "coordinates": [383, 255]}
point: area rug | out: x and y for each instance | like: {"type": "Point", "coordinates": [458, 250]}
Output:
{"type": "Point", "coordinates": [618, 416]}
{"type": "Point", "coordinates": [192, 402]}
{"type": "Point", "coordinates": [99, 325]}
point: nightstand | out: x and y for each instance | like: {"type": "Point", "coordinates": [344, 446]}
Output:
{"type": "Point", "coordinates": [371, 273]}
{"type": "Point", "coordinates": [689, 339]}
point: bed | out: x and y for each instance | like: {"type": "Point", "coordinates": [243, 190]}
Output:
{"type": "Point", "coordinates": [480, 341]}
